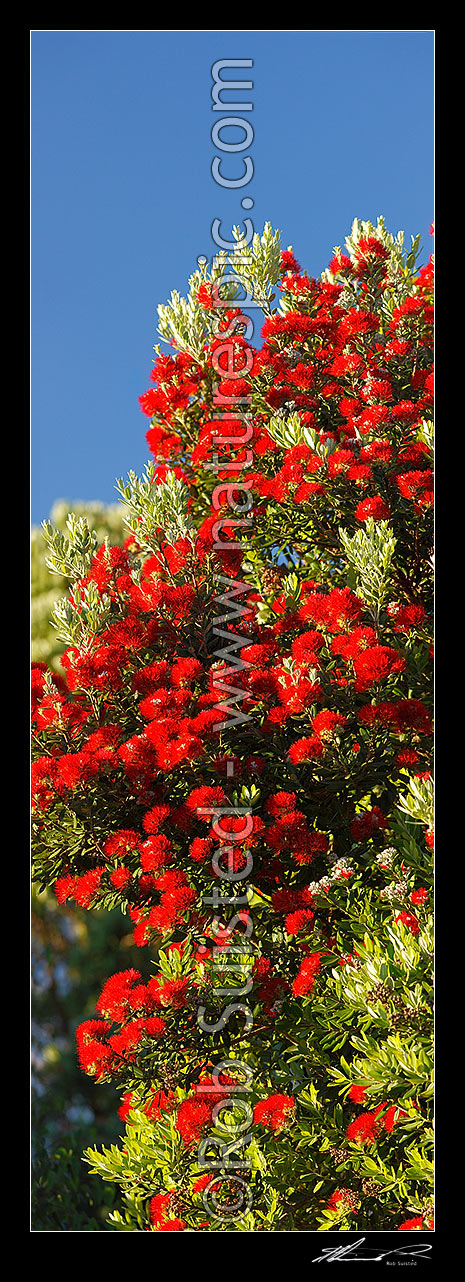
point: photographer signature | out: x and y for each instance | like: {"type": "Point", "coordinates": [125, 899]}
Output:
{"type": "Point", "coordinates": [353, 1252]}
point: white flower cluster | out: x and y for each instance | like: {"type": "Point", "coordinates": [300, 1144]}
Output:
{"type": "Point", "coordinates": [398, 890]}
{"type": "Point", "coordinates": [342, 868]}
{"type": "Point", "coordinates": [386, 857]}
{"type": "Point", "coordinates": [319, 887]}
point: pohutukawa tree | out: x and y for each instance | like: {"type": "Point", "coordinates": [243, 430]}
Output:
{"type": "Point", "coordinates": [237, 751]}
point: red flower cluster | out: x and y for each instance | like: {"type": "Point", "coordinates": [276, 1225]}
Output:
{"type": "Point", "coordinates": [366, 1128]}
{"type": "Point", "coordinates": [276, 1112]}
{"type": "Point", "coordinates": [305, 979]}
{"type": "Point", "coordinates": [415, 1224]}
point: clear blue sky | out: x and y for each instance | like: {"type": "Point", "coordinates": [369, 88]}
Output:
{"type": "Point", "coordinates": [123, 200]}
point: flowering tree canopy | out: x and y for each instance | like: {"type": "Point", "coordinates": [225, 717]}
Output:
{"type": "Point", "coordinates": [237, 751]}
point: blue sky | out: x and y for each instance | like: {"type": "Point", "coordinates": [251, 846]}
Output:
{"type": "Point", "coordinates": [123, 199]}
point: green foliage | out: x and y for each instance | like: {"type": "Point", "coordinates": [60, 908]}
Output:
{"type": "Point", "coordinates": [418, 801]}
{"type": "Point", "coordinates": [102, 522]}
{"type": "Point", "coordinates": [155, 513]}
{"type": "Point", "coordinates": [64, 1198]}
{"type": "Point", "coordinates": [369, 552]}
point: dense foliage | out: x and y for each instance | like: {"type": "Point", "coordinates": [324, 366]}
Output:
{"type": "Point", "coordinates": [107, 522]}
{"type": "Point", "coordinates": [237, 752]}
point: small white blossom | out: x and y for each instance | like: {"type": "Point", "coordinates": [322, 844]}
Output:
{"type": "Point", "coordinates": [320, 887]}
{"type": "Point", "coordinates": [342, 869]}
{"type": "Point", "coordinates": [386, 857]}
{"type": "Point", "coordinates": [397, 891]}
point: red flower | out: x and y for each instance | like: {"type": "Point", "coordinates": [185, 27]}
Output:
{"type": "Point", "coordinates": [156, 852]}
{"type": "Point", "coordinates": [276, 1112]}
{"type": "Point", "coordinates": [367, 824]}
{"type": "Point", "coordinates": [343, 1201]}
{"type": "Point", "coordinates": [94, 1054]}
{"type": "Point", "coordinates": [376, 664]}
{"type": "Point", "coordinates": [406, 616]}
{"type": "Point", "coordinates": [298, 921]}
{"type": "Point", "coordinates": [410, 922]}
{"type": "Point", "coordinates": [417, 486]}
{"type": "Point", "coordinates": [357, 1094]}
{"type": "Point", "coordinates": [121, 842]}
{"type": "Point", "coordinates": [415, 1223]}
{"type": "Point", "coordinates": [159, 1214]}
{"type": "Point", "coordinates": [114, 998]}
{"type": "Point", "coordinates": [305, 979]}
{"type": "Point", "coordinates": [192, 1118]}
{"type": "Point", "coordinates": [86, 887]}
{"type": "Point", "coordinates": [326, 723]}
{"type": "Point", "coordinates": [340, 263]}
{"type": "Point", "coordinates": [365, 1128]}
{"type": "Point", "coordinates": [201, 798]}
{"type": "Point", "coordinates": [204, 295]}
{"type": "Point", "coordinates": [419, 896]}
{"type": "Point", "coordinates": [375, 507]}
{"type": "Point", "coordinates": [288, 263]}
{"type": "Point", "coordinates": [306, 749]}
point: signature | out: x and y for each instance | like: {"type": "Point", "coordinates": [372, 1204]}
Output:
{"type": "Point", "coordinates": [352, 1252]}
